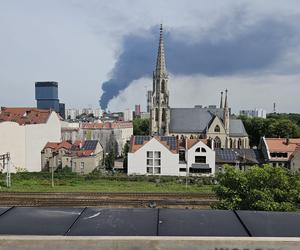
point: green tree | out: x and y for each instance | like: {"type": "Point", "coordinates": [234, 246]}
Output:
{"type": "Point", "coordinates": [125, 155]}
{"type": "Point", "coordinates": [110, 160]}
{"type": "Point", "coordinates": [141, 126]}
{"type": "Point", "coordinates": [258, 188]}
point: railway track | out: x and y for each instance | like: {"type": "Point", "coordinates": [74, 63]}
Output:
{"type": "Point", "coordinates": [101, 199]}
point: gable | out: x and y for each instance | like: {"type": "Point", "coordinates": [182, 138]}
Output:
{"type": "Point", "coordinates": [216, 122]}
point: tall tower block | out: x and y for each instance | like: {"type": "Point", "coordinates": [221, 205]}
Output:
{"type": "Point", "coordinates": [160, 110]}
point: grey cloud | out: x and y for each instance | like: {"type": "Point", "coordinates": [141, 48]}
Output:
{"type": "Point", "coordinates": [249, 48]}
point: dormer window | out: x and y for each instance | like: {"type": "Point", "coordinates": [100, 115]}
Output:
{"type": "Point", "coordinates": [217, 128]}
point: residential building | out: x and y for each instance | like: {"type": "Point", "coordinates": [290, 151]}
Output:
{"type": "Point", "coordinates": [89, 157]}
{"type": "Point", "coordinates": [279, 151]}
{"type": "Point", "coordinates": [258, 112]}
{"type": "Point", "coordinates": [24, 132]}
{"type": "Point", "coordinates": [137, 110]}
{"type": "Point", "coordinates": [52, 154]}
{"type": "Point", "coordinates": [295, 160]}
{"type": "Point", "coordinates": [82, 157]}
{"type": "Point", "coordinates": [128, 115]}
{"type": "Point", "coordinates": [198, 122]}
{"type": "Point", "coordinates": [111, 135]}
{"type": "Point", "coordinates": [167, 155]}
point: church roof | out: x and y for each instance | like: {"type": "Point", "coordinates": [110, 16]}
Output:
{"type": "Point", "coordinates": [186, 120]}
{"type": "Point", "coordinates": [236, 128]}
{"type": "Point", "coordinates": [198, 119]}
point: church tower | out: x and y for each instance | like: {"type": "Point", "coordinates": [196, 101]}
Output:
{"type": "Point", "coordinates": [160, 110]}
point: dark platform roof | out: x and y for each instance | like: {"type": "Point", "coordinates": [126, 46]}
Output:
{"type": "Point", "coordinates": [115, 222]}
{"type": "Point", "coordinates": [38, 221]}
{"type": "Point", "coordinates": [271, 224]}
{"type": "Point", "coordinates": [146, 222]}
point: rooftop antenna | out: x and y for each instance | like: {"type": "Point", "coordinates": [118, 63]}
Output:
{"type": "Point", "coordinates": [274, 108]}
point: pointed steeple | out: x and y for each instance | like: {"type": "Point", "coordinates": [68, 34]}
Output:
{"type": "Point", "coordinates": [160, 63]}
{"type": "Point", "coordinates": [221, 102]}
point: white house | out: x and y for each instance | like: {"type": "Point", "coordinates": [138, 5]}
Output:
{"type": "Point", "coordinates": [24, 133]}
{"type": "Point", "coordinates": [166, 155]}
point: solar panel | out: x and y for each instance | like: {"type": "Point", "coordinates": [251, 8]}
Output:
{"type": "Point", "coordinates": [90, 145]}
{"type": "Point", "coordinates": [140, 139]}
{"type": "Point", "coordinates": [171, 141]}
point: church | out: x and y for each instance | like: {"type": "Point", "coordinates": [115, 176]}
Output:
{"type": "Point", "coordinates": [213, 123]}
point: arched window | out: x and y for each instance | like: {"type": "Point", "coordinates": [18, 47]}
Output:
{"type": "Point", "coordinates": [203, 150]}
{"type": "Point", "coordinates": [231, 143]}
{"type": "Point", "coordinates": [217, 128]}
{"type": "Point", "coordinates": [156, 114]}
{"type": "Point", "coordinates": [217, 142]}
{"type": "Point", "coordinates": [197, 150]}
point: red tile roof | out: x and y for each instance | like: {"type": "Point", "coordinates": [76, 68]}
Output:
{"type": "Point", "coordinates": [282, 145]}
{"type": "Point", "coordinates": [81, 153]}
{"type": "Point", "coordinates": [58, 145]}
{"type": "Point", "coordinates": [24, 116]}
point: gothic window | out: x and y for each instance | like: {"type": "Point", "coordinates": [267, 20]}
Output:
{"type": "Point", "coordinates": [163, 86]}
{"type": "Point", "coordinates": [231, 143]}
{"type": "Point", "coordinates": [217, 128]}
{"type": "Point", "coordinates": [217, 142]}
{"type": "Point", "coordinates": [156, 114]}
{"type": "Point", "coordinates": [239, 143]}
{"type": "Point", "coordinates": [163, 115]}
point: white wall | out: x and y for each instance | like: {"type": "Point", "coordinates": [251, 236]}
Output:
{"type": "Point", "coordinates": [137, 161]}
{"type": "Point", "coordinates": [210, 155]}
{"type": "Point", "coordinates": [25, 142]}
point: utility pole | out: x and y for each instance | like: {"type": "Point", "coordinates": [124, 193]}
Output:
{"type": "Point", "coordinates": [5, 158]}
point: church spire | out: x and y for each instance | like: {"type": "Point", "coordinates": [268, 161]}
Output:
{"type": "Point", "coordinates": [221, 102]}
{"type": "Point", "coordinates": [160, 63]}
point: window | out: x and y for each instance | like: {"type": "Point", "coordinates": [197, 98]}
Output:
{"type": "Point", "coordinates": [197, 150]}
{"type": "Point", "coordinates": [200, 159]}
{"type": "Point", "coordinates": [181, 155]}
{"type": "Point", "coordinates": [217, 128]}
{"type": "Point", "coordinates": [217, 142]}
{"type": "Point", "coordinates": [156, 114]}
{"type": "Point", "coordinates": [153, 162]}
{"type": "Point", "coordinates": [203, 150]}
{"type": "Point", "coordinates": [163, 86]}
{"type": "Point", "coordinates": [200, 170]}
{"type": "Point", "coordinates": [82, 167]}
{"type": "Point", "coordinates": [182, 169]}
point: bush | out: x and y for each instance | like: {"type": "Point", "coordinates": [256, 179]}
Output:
{"type": "Point", "coordinates": [258, 188]}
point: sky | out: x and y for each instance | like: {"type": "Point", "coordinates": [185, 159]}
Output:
{"type": "Point", "coordinates": [107, 49]}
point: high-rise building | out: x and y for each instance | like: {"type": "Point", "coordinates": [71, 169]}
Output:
{"type": "Point", "coordinates": [258, 112]}
{"type": "Point", "coordinates": [46, 95]}
{"type": "Point", "coordinates": [137, 110]}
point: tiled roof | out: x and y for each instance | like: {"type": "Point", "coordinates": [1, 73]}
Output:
{"type": "Point", "coordinates": [191, 142]}
{"type": "Point", "coordinates": [58, 145]}
{"type": "Point", "coordinates": [282, 145]}
{"type": "Point", "coordinates": [24, 116]}
{"type": "Point", "coordinates": [107, 125]}
{"type": "Point", "coordinates": [81, 153]}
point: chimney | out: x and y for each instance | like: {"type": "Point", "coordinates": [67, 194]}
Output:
{"type": "Point", "coordinates": [287, 141]}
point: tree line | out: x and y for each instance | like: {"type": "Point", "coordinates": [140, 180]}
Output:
{"type": "Point", "coordinates": [275, 125]}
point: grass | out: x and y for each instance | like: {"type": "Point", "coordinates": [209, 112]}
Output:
{"type": "Point", "coordinates": [80, 184]}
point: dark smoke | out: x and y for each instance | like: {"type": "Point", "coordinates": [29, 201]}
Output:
{"type": "Point", "coordinates": [255, 48]}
